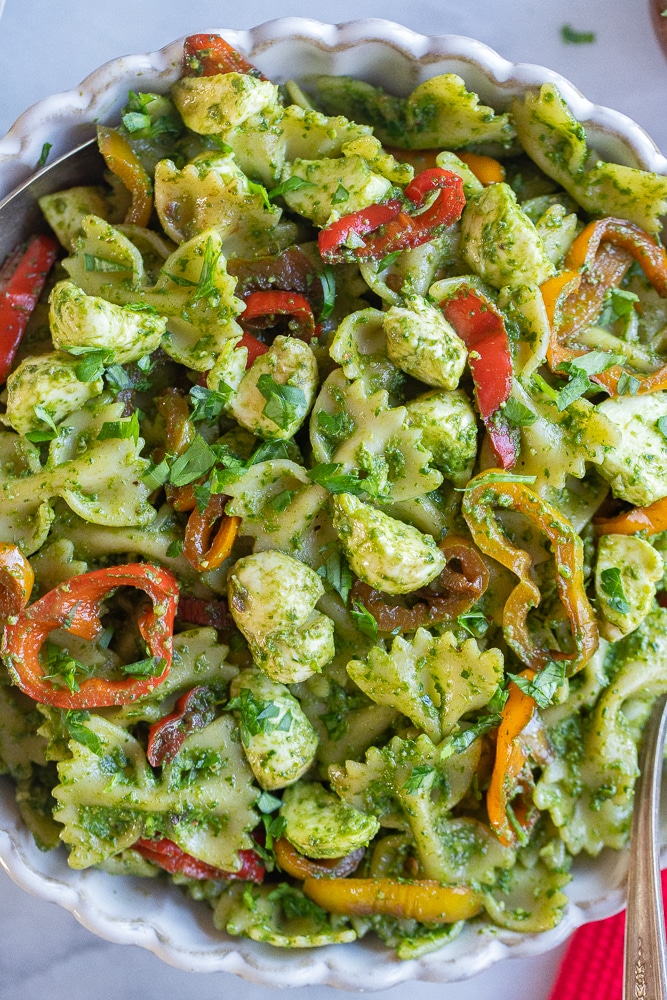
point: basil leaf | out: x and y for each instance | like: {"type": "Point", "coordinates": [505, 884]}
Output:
{"type": "Point", "coordinates": [627, 385]}
{"type": "Point", "coordinates": [291, 184]}
{"type": "Point", "coordinates": [73, 721]}
{"type": "Point", "coordinates": [328, 281]}
{"type": "Point", "coordinates": [93, 263]}
{"type": "Point", "coordinates": [195, 462]}
{"type": "Point", "coordinates": [336, 571]}
{"type": "Point", "coordinates": [421, 776]}
{"type": "Point", "coordinates": [156, 475]}
{"type": "Point", "coordinates": [460, 742]}
{"type": "Point", "coordinates": [518, 413]}
{"type": "Point", "coordinates": [574, 389]}
{"type": "Point", "coordinates": [340, 195]}
{"type": "Point", "coordinates": [209, 403]}
{"type": "Point", "coordinates": [43, 414]}
{"type": "Point", "coordinates": [152, 666]}
{"type": "Point", "coordinates": [387, 261]}
{"type": "Point", "coordinates": [267, 803]}
{"type": "Point", "coordinates": [336, 426]}
{"type": "Point", "coordinates": [117, 378]}
{"type": "Point", "coordinates": [364, 621]}
{"type": "Point", "coordinates": [612, 586]}
{"type": "Point", "coordinates": [124, 429]}
{"type": "Point", "coordinates": [95, 359]}
{"type": "Point", "coordinates": [285, 404]}
{"type": "Point", "coordinates": [542, 688]}
{"type": "Point", "coordinates": [473, 622]}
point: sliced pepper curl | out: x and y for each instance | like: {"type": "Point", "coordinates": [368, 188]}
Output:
{"type": "Point", "coordinates": [424, 900]}
{"type": "Point", "coordinates": [169, 856]}
{"type": "Point", "coordinates": [16, 581]}
{"type": "Point", "coordinates": [174, 409]}
{"type": "Point", "coordinates": [202, 547]}
{"type": "Point", "coordinates": [486, 169]}
{"type": "Point", "coordinates": [597, 261]}
{"type": "Point", "coordinates": [192, 711]}
{"type": "Point", "coordinates": [122, 161]}
{"type": "Point", "coordinates": [651, 519]}
{"type": "Point", "coordinates": [479, 501]}
{"type": "Point", "coordinates": [293, 863]}
{"type": "Point", "coordinates": [388, 227]}
{"type": "Point", "coordinates": [482, 329]}
{"type": "Point", "coordinates": [22, 278]}
{"type": "Point", "coordinates": [263, 308]}
{"type": "Point", "coordinates": [509, 803]}
{"type": "Point", "coordinates": [75, 605]}
{"type": "Point", "coordinates": [451, 594]}
{"type": "Point", "coordinates": [196, 611]}
{"type": "Point", "coordinates": [209, 55]}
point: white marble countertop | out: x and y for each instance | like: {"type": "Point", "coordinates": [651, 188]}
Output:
{"type": "Point", "coordinates": [50, 45]}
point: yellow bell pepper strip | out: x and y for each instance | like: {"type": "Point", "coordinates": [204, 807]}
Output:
{"type": "Point", "coordinates": [203, 549]}
{"type": "Point", "coordinates": [596, 262]}
{"type": "Point", "coordinates": [651, 519]}
{"type": "Point", "coordinates": [293, 863]}
{"type": "Point", "coordinates": [16, 581]}
{"type": "Point", "coordinates": [482, 495]}
{"type": "Point", "coordinates": [424, 900]}
{"type": "Point", "coordinates": [128, 168]}
{"type": "Point", "coordinates": [481, 327]}
{"type": "Point", "coordinates": [76, 605]}
{"type": "Point", "coordinates": [451, 594]}
{"type": "Point", "coordinates": [511, 779]}
{"type": "Point", "coordinates": [22, 278]}
{"type": "Point", "coordinates": [169, 856]}
{"type": "Point", "coordinates": [192, 711]}
{"type": "Point", "coordinates": [486, 169]}
{"type": "Point", "coordinates": [389, 228]}
{"type": "Point", "coordinates": [210, 55]}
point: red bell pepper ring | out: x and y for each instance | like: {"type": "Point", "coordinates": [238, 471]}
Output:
{"type": "Point", "coordinates": [22, 278]}
{"type": "Point", "coordinates": [193, 710]}
{"type": "Point", "coordinates": [482, 329]}
{"type": "Point", "coordinates": [209, 55]}
{"type": "Point", "coordinates": [390, 228]}
{"type": "Point", "coordinates": [169, 856]}
{"type": "Point", "coordinates": [75, 605]}
{"type": "Point", "coordinates": [266, 306]}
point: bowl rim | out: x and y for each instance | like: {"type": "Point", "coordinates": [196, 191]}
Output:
{"type": "Point", "coordinates": [73, 114]}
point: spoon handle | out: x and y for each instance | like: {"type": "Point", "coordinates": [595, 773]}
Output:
{"type": "Point", "coordinates": [645, 972]}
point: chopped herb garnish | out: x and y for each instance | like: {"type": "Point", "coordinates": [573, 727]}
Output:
{"type": "Point", "coordinates": [421, 776]}
{"type": "Point", "coordinates": [93, 263]}
{"type": "Point", "coordinates": [282, 500]}
{"type": "Point", "coordinates": [202, 495]}
{"type": "Point", "coordinates": [473, 622]}
{"type": "Point", "coordinates": [120, 428]}
{"type": "Point", "coordinates": [461, 742]}
{"type": "Point", "coordinates": [612, 586]}
{"type": "Point", "coordinates": [93, 363]}
{"type": "Point", "coordinates": [174, 549]}
{"type": "Point", "coordinates": [364, 621]}
{"type": "Point", "coordinates": [208, 404]}
{"type": "Point", "coordinates": [43, 414]}
{"type": "Point", "coordinates": [387, 261]}
{"type": "Point", "coordinates": [336, 571]}
{"type": "Point", "coordinates": [618, 302]}
{"type": "Point", "coordinates": [262, 192]}
{"type": "Point", "coordinates": [544, 685]}
{"type": "Point", "coordinates": [256, 715]}
{"type": "Point", "coordinates": [580, 370]}
{"type": "Point", "coordinates": [661, 424]}
{"type": "Point", "coordinates": [328, 280]}
{"type": "Point", "coordinates": [627, 385]}
{"type": "Point", "coordinates": [336, 426]}
{"type": "Point", "coordinates": [44, 155]}
{"type": "Point", "coordinates": [117, 378]}
{"type": "Point", "coordinates": [498, 477]}
{"type": "Point", "coordinates": [152, 666]}
{"type": "Point", "coordinates": [64, 668]}
{"type": "Point", "coordinates": [156, 475]}
{"type": "Point", "coordinates": [267, 803]}
{"type": "Point", "coordinates": [274, 827]}
{"type": "Point", "coordinates": [572, 37]}
{"type": "Point", "coordinates": [73, 721]}
{"type": "Point", "coordinates": [196, 461]}
{"type": "Point", "coordinates": [291, 184]}
{"type": "Point", "coordinates": [518, 413]}
{"type": "Point", "coordinates": [330, 476]}
{"type": "Point", "coordinates": [285, 404]}
{"type": "Point", "coordinates": [341, 194]}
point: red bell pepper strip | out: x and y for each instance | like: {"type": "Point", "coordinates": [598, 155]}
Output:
{"type": "Point", "coordinates": [254, 347]}
{"type": "Point", "coordinates": [482, 329]}
{"type": "Point", "coordinates": [268, 305]}
{"type": "Point", "coordinates": [389, 227]}
{"type": "Point", "coordinates": [75, 605]}
{"type": "Point", "coordinates": [193, 710]}
{"type": "Point", "coordinates": [169, 856]}
{"type": "Point", "coordinates": [22, 278]}
{"type": "Point", "coordinates": [209, 55]}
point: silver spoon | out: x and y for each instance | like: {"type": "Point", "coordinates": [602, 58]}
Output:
{"type": "Point", "coordinates": [645, 971]}
{"type": "Point", "coordinates": [21, 216]}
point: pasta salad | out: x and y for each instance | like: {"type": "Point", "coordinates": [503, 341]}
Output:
{"type": "Point", "coordinates": [334, 480]}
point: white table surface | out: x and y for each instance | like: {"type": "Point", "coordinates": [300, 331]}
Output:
{"type": "Point", "coordinates": [50, 45]}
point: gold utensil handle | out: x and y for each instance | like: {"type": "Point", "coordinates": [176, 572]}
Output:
{"type": "Point", "coordinates": [645, 972]}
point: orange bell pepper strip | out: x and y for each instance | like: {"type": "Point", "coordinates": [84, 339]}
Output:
{"type": "Point", "coordinates": [424, 900]}
{"type": "Point", "coordinates": [479, 499]}
{"type": "Point", "coordinates": [596, 262]}
{"type": "Point", "coordinates": [511, 777]}
{"type": "Point", "coordinates": [128, 168]}
{"type": "Point", "coordinates": [204, 552]}
{"type": "Point", "coordinates": [76, 605]}
{"type": "Point", "coordinates": [486, 169]}
{"type": "Point", "coordinates": [22, 278]}
{"type": "Point", "coordinates": [16, 581]}
{"type": "Point", "coordinates": [210, 55]}
{"type": "Point", "coordinates": [651, 519]}
{"type": "Point", "coordinates": [293, 863]}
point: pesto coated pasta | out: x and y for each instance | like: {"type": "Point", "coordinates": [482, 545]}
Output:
{"type": "Point", "coordinates": [334, 505]}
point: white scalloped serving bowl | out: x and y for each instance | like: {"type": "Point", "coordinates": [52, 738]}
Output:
{"type": "Point", "coordinates": [157, 916]}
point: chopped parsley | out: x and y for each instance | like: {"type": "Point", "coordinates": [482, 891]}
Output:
{"type": "Point", "coordinates": [126, 429]}
{"type": "Point", "coordinates": [612, 587]}
{"type": "Point", "coordinates": [580, 370]}
{"type": "Point", "coordinates": [208, 404]}
{"type": "Point", "coordinates": [518, 413]}
{"type": "Point", "coordinates": [285, 404]}
{"type": "Point", "coordinates": [198, 459]}
{"type": "Point", "coordinates": [544, 685]}
{"type": "Point", "coordinates": [73, 721]}
{"type": "Point", "coordinates": [364, 621]}
{"type": "Point", "coordinates": [291, 184]}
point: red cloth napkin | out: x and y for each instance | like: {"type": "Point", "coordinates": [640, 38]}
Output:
{"type": "Point", "coordinates": [592, 967]}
